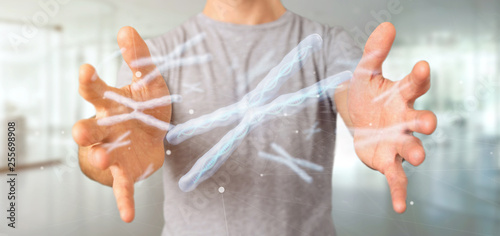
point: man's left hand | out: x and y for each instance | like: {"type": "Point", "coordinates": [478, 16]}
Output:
{"type": "Point", "coordinates": [382, 116]}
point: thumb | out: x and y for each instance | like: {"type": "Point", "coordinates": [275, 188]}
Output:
{"type": "Point", "coordinates": [376, 49]}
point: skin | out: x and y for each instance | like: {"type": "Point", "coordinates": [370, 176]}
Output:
{"type": "Point", "coordinates": [122, 167]}
{"type": "Point", "coordinates": [378, 111]}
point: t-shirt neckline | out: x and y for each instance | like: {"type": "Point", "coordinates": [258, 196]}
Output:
{"type": "Point", "coordinates": [284, 18]}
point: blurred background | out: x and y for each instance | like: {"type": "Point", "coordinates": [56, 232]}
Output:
{"type": "Point", "coordinates": [456, 191]}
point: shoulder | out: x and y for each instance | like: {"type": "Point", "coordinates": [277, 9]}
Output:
{"type": "Point", "coordinates": [176, 36]}
{"type": "Point", "coordinates": [310, 26]}
{"type": "Point", "coordinates": [335, 38]}
{"type": "Point", "coordinates": [339, 49]}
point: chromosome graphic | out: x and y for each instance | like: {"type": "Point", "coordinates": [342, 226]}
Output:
{"type": "Point", "coordinates": [313, 130]}
{"type": "Point", "coordinates": [288, 104]}
{"type": "Point", "coordinates": [118, 142]}
{"type": "Point", "coordinates": [171, 60]}
{"type": "Point", "coordinates": [368, 136]}
{"type": "Point", "coordinates": [146, 173]}
{"type": "Point", "coordinates": [266, 90]}
{"type": "Point", "coordinates": [291, 162]}
{"type": "Point", "coordinates": [390, 93]}
{"type": "Point", "coordinates": [138, 108]}
{"type": "Point", "coordinates": [195, 87]}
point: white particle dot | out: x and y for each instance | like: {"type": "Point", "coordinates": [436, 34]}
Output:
{"type": "Point", "coordinates": [370, 124]}
{"type": "Point", "coordinates": [41, 167]}
{"type": "Point", "coordinates": [285, 114]}
{"type": "Point", "coordinates": [128, 148]}
{"type": "Point", "coordinates": [296, 131]}
{"type": "Point", "coordinates": [168, 152]}
{"type": "Point", "coordinates": [491, 153]}
{"type": "Point", "coordinates": [62, 132]}
{"type": "Point", "coordinates": [411, 203]}
{"type": "Point", "coordinates": [221, 189]}
{"type": "Point", "coordinates": [261, 175]}
{"type": "Point", "coordinates": [191, 111]}
{"type": "Point", "coordinates": [317, 96]}
{"type": "Point", "coordinates": [138, 74]}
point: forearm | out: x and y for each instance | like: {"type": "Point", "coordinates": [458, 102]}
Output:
{"type": "Point", "coordinates": [93, 173]}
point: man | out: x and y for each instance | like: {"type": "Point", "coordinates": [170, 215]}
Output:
{"type": "Point", "coordinates": [251, 195]}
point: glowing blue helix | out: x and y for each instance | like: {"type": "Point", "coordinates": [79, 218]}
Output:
{"type": "Point", "coordinates": [265, 90]}
{"type": "Point", "coordinates": [287, 104]}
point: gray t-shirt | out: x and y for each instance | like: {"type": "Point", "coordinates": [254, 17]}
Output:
{"type": "Point", "coordinates": [214, 64]}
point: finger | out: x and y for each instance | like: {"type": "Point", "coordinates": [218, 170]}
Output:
{"type": "Point", "coordinates": [135, 50]}
{"type": "Point", "coordinates": [398, 183]}
{"type": "Point", "coordinates": [86, 132]}
{"type": "Point", "coordinates": [412, 150]}
{"type": "Point", "coordinates": [423, 122]}
{"type": "Point", "coordinates": [91, 87]}
{"type": "Point", "coordinates": [100, 157]}
{"type": "Point", "coordinates": [376, 50]}
{"type": "Point", "coordinates": [417, 82]}
{"type": "Point", "coordinates": [123, 188]}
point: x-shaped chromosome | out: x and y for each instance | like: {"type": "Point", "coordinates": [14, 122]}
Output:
{"type": "Point", "coordinates": [172, 60]}
{"type": "Point", "coordinates": [195, 87]}
{"type": "Point", "coordinates": [138, 108]}
{"type": "Point", "coordinates": [291, 162]}
{"type": "Point", "coordinates": [253, 111]}
{"type": "Point", "coordinates": [117, 143]}
{"type": "Point", "coordinates": [288, 104]}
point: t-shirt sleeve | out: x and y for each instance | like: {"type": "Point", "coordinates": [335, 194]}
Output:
{"type": "Point", "coordinates": [342, 51]}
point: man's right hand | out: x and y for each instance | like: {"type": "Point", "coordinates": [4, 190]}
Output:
{"type": "Point", "coordinates": [121, 167]}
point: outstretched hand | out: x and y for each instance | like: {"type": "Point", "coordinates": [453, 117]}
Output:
{"type": "Point", "coordinates": [382, 114]}
{"type": "Point", "coordinates": [126, 150]}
